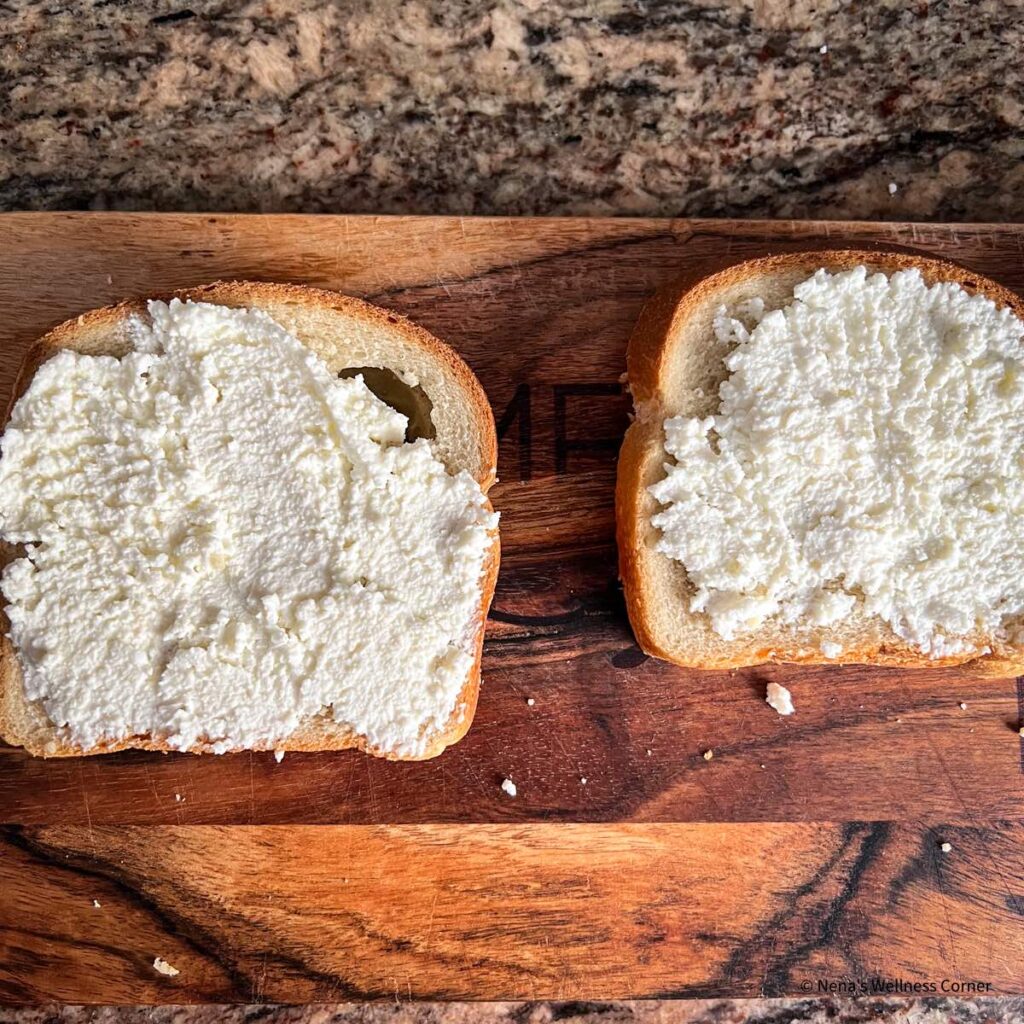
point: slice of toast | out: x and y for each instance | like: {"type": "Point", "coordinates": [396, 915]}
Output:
{"type": "Point", "coordinates": [346, 333]}
{"type": "Point", "coordinates": [675, 364]}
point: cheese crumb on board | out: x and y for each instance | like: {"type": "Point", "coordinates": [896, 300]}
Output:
{"type": "Point", "coordinates": [163, 967]}
{"type": "Point", "coordinates": [96, 904]}
{"type": "Point", "coordinates": [509, 787]}
{"type": "Point", "coordinates": [780, 699]}
{"type": "Point", "coordinates": [708, 754]}
{"type": "Point", "coordinates": [946, 847]}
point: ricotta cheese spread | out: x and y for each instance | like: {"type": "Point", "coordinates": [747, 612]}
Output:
{"type": "Point", "coordinates": [223, 539]}
{"type": "Point", "coordinates": [868, 452]}
{"type": "Point", "coordinates": [779, 699]}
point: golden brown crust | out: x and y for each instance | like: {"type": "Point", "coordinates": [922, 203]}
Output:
{"type": "Point", "coordinates": [630, 487]}
{"type": "Point", "coordinates": [260, 293]}
{"type": "Point", "coordinates": [25, 724]}
{"type": "Point", "coordinates": [642, 455]}
{"type": "Point", "coordinates": [246, 293]}
{"type": "Point", "coordinates": [648, 350]}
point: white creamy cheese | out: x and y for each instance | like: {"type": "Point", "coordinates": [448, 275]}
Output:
{"type": "Point", "coordinates": [223, 539]}
{"type": "Point", "coordinates": [868, 450]}
{"type": "Point", "coordinates": [779, 699]}
{"type": "Point", "coordinates": [163, 967]}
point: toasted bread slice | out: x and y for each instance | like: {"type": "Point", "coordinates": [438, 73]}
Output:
{"type": "Point", "coordinates": [345, 333]}
{"type": "Point", "coordinates": [675, 365]}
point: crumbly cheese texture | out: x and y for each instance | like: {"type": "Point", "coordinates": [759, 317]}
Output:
{"type": "Point", "coordinates": [224, 539]}
{"type": "Point", "coordinates": [779, 699]}
{"type": "Point", "coordinates": [868, 454]}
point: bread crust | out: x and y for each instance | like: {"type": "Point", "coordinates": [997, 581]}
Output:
{"type": "Point", "coordinates": [24, 723]}
{"type": "Point", "coordinates": [642, 456]}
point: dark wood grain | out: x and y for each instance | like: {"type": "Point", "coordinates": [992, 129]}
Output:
{"type": "Point", "coordinates": [541, 310]}
{"type": "Point", "coordinates": [305, 913]}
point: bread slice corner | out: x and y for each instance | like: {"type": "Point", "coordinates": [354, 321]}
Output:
{"type": "Point", "coordinates": [675, 365]}
{"type": "Point", "coordinates": [346, 333]}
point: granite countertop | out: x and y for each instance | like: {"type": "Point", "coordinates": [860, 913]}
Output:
{"type": "Point", "coordinates": [697, 1011]}
{"type": "Point", "coordinates": [888, 109]}
{"type": "Point", "coordinates": [776, 108]}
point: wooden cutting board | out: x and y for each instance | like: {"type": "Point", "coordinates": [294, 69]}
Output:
{"type": "Point", "coordinates": [804, 857]}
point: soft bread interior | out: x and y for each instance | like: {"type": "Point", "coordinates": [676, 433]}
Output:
{"type": "Point", "coordinates": [346, 338]}
{"type": "Point", "coordinates": [695, 357]}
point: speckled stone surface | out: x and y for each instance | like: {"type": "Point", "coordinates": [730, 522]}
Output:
{"type": "Point", "coordinates": [712, 1011]}
{"type": "Point", "coordinates": [788, 108]}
